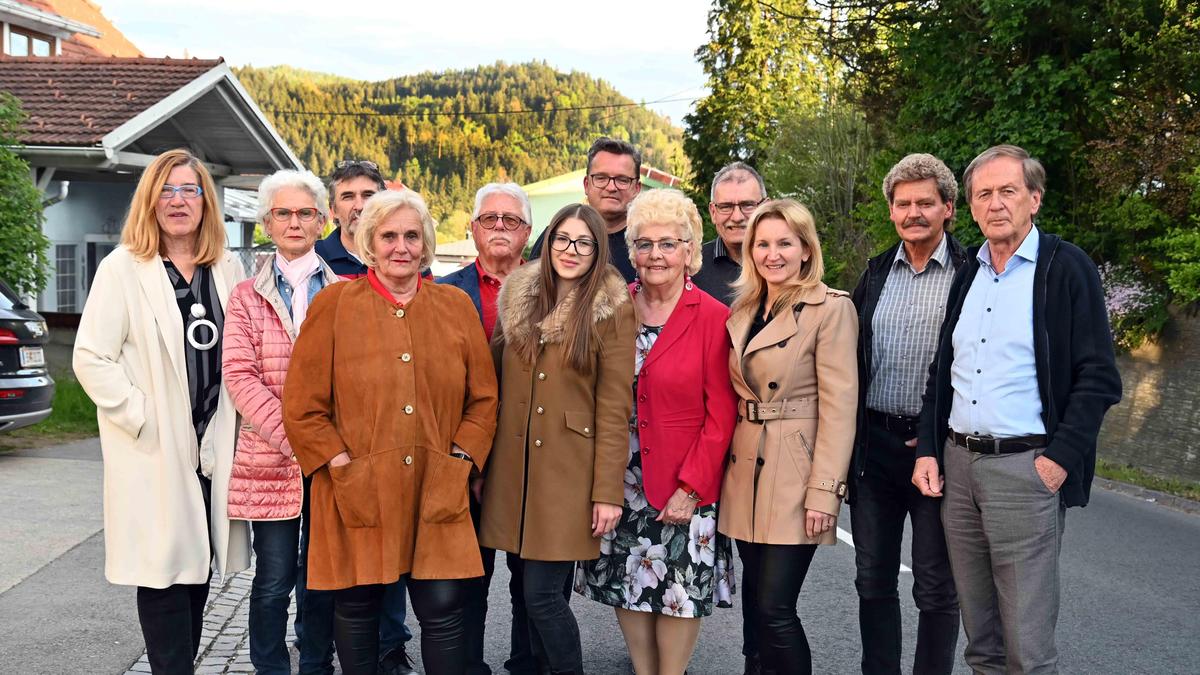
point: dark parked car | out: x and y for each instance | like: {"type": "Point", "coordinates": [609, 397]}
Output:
{"type": "Point", "coordinates": [26, 390]}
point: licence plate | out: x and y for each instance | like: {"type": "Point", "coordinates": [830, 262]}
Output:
{"type": "Point", "coordinates": [32, 357]}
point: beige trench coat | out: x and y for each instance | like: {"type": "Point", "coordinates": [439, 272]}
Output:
{"type": "Point", "coordinates": [804, 364]}
{"type": "Point", "coordinates": [563, 438]}
{"type": "Point", "coordinates": [129, 357]}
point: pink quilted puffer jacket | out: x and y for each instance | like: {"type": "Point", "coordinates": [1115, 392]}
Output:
{"type": "Point", "coordinates": [266, 483]}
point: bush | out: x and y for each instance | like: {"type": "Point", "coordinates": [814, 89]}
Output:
{"type": "Point", "coordinates": [1137, 307]}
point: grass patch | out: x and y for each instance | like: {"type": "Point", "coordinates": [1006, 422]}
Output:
{"type": "Point", "coordinates": [1127, 473]}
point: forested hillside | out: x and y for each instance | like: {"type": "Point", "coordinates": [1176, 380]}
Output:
{"type": "Point", "coordinates": [447, 133]}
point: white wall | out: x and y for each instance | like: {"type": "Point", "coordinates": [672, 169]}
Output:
{"type": "Point", "coordinates": [90, 208]}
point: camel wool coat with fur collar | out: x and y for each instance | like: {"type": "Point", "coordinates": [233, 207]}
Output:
{"type": "Point", "coordinates": [562, 441]}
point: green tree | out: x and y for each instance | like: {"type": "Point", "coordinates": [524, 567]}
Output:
{"type": "Point", "coordinates": [23, 261]}
{"type": "Point", "coordinates": [760, 68]}
{"type": "Point", "coordinates": [822, 158]}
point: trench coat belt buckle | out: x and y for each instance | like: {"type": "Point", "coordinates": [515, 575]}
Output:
{"type": "Point", "coordinates": [758, 413]}
{"type": "Point", "coordinates": [837, 487]}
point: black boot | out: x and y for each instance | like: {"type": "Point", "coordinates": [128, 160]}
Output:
{"type": "Point", "coordinates": [396, 662]}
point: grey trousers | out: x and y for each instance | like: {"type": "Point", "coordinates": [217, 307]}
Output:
{"type": "Point", "coordinates": [1003, 533]}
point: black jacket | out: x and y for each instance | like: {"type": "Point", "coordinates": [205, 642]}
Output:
{"type": "Point", "coordinates": [866, 297]}
{"type": "Point", "coordinates": [1073, 352]}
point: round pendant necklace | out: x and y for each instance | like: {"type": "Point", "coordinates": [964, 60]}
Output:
{"type": "Point", "coordinates": [198, 314]}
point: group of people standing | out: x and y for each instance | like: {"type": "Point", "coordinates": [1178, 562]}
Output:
{"type": "Point", "coordinates": [616, 414]}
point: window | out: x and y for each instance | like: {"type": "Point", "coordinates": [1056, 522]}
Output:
{"type": "Point", "coordinates": [28, 43]}
{"type": "Point", "coordinates": [65, 277]}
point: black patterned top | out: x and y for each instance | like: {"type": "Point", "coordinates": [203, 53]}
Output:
{"type": "Point", "coordinates": [203, 365]}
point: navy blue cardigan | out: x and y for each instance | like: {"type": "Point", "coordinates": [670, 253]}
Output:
{"type": "Point", "coordinates": [1073, 351]}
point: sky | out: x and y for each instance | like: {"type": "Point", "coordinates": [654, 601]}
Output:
{"type": "Point", "coordinates": [645, 49]}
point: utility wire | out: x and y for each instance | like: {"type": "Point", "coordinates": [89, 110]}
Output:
{"type": "Point", "coordinates": [467, 113]}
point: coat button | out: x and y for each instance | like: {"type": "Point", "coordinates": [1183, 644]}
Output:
{"type": "Point", "coordinates": [408, 459]}
{"type": "Point", "coordinates": [541, 341]}
{"type": "Point", "coordinates": [783, 344]}
{"type": "Point", "coordinates": [541, 376]}
{"type": "Point", "coordinates": [760, 461]}
{"type": "Point", "coordinates": [406, 357]}
{"type": "Point", "coordinates": [645, 451]}
{"type": "Point", "coordinates": [400, 314]}
{"type": "Point", "coordinates": [540, 410]}
{"type": "Point", "coordinates": [733, 458]}
{"type": "Point", "coordinates": [587, 430]}
{"type": "Point", "coordinates": [772, 385]}
{"type": "Point", "coordinates": [408, 410]}
{"type": "Point", "coordinates": [642, 398]}
{"type": "Point", "coordinates": [538, 442]}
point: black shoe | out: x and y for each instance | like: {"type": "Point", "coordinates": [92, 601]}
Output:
{"type": "Point", "coordinates": [753, 667]}
{"type": "Point", "coordinates": [396, 662]}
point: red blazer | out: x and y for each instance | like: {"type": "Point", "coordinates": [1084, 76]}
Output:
{"type": "Point", "coordinates": [686, 408]}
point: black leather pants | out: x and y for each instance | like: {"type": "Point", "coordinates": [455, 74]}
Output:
{"type": "Point", "coordinates": [438, 605]}
{"type": "Point", "coordinates": [777, 572]}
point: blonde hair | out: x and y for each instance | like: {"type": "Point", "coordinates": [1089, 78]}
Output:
{"type": "Point", "coordinates": [665, 207]}
{"type": "Point", "coordinates": [380, 207]}
{"type": "Point", "coordinates": [141, 233]}
{"type": "Point", "coordinates": [750, 288]}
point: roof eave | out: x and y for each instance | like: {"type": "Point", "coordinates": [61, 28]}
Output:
{"type": "Point", "coordinates": [59, 26]}
{"type": "Point", "coordinates": [220, 78]}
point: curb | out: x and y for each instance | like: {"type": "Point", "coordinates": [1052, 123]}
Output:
{"type": "Point", "coordinates": [1153, 496]}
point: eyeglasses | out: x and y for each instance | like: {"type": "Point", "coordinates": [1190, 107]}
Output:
{"type": "Point", "coordinates": [584, 247]}
{"type": "Point", "coordinates": [667, 246]}
{"type": "Point", "coordinates": [726, 208]}
{"type": "Point", "coordinates": [188, 191]}
{"type": "Point", "coordinates": [602, 180]}
{"type": "Point", "coordinates": [357, 162]}
{"type": "Point", "coordinates": [491, 220]}
{"type": "Point", "coordinates": [306, 215]}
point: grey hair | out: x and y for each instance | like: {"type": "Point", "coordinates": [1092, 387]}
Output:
{"type": "Point", "coordinates": [512, 190]}
{"type": "Point", "coordinates": [921, 166]}
{"type": "Point", "coordinates": [289, 178]}
{"type": "Point", "coordinates": [737, 172]}
{"type": "Point", "coordinates": [1034, 172]}
{"type": "Point", "coordinates": [379, 208]}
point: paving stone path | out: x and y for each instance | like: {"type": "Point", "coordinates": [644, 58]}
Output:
{"type": "Point", "coordinates": [224, 640]}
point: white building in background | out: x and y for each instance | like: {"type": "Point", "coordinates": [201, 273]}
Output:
{"type": "Point", "coordinates": [99, 112]}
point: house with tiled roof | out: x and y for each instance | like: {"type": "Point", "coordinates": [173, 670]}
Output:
{"type": "Point", "coordinates": [96, 120]}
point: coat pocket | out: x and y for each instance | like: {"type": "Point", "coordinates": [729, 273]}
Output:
{"type": "Point", "coordinates": [444, 488]}
{"type": "Point", "coordinates": [799, 450]}
{"type": "Point", "coordinates": [354, 492]}
{"type": "Point", "coordinates": [581, 423]}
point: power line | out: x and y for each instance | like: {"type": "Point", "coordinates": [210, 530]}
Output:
{"type": "Point", "coordinates": [468, 113]}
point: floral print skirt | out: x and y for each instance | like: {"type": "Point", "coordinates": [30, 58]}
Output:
{"type": "Point", "coordinates": [649, 566]}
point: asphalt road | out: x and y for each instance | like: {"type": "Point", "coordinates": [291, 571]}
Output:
{"type": "Point", "coordinates": [1131, 589]}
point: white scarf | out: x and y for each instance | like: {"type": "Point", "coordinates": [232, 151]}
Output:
{"type": "Point", "coordinates": [298, 272]}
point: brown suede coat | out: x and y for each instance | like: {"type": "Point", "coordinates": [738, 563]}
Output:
{"type": "Point", "coordinates": [777, 469]}
{"type": "Point", "coordinates": [394, 387]}
{"type": "Point", "coordinates": [562, 442]}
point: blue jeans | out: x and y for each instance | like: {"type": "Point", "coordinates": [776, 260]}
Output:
{"type": "Point", "coordinates": [314, 610]}
{"type": "Point", "coordinates": [392, 631]}
{"type": "Point", "coordinates": [275, 546]}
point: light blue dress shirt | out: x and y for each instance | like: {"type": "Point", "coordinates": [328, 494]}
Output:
{"type": "Point", "coordinates": [315, 283]}
{"type": "Point", "coordinates": [994, 373]}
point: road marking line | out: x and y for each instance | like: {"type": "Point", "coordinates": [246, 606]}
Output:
{"type": "Point", "coordinates": [845, 537]}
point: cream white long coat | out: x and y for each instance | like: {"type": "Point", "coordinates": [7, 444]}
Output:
{"type": "Point", "coordinates": [129, 357]}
